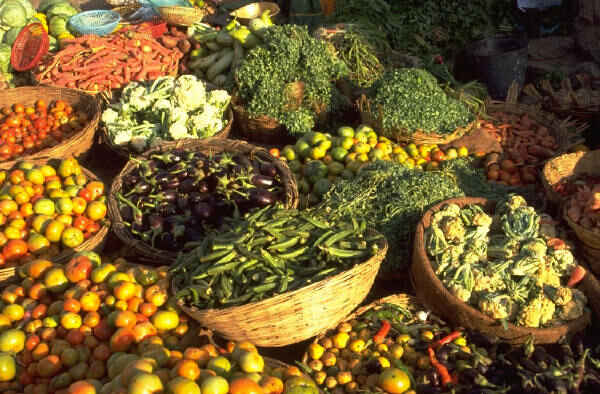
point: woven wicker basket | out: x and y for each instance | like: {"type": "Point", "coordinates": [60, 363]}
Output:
{"type": "Point", "coordinates": [590, 241]}
{"type": "Point", "coordinates": [155, 256]}
{"type": "Point", "coordinates": [182, 16]}
{"type": "Point", "coordinates": [125, 153]}
{"type": "Point", "coordinates": [567, 132]}
{"type": "Point", "coordinates": [419, 137]}
{"type": "Point", "coordinates": [75, 146]}
{"type": "Point", "coordinates": [567, 166]}
{"type": "Point", "coordinates": [297, 315]}
{"type": "Point", "coordinates": [432, 292]}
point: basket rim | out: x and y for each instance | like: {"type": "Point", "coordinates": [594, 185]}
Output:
{"type": "Point", "coordinates": [20, 44]}
{"type": "Point", "coordinates": [519, 331]}
{"type": "Point", "coordinates": [206, 144]}
{"type": "Point", "coordinates": [377, 258]}
{"type": "Point", "coordinates": [79, 17]}
{"type": "Point", "coordinates": [51, 93]}
{"type": "Point", "coordinates": [578, 228]}
{"type": "Point", "coordinates": [550, 167]}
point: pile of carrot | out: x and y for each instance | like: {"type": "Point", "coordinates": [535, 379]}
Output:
{"type": "Point", "coordinates": [525, 145]}
{"type": "Point", "coordinates": [96, 64]}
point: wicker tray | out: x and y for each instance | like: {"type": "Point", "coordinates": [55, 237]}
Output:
{"type": "Point", "coordinates": [125, 153]}
{"type": "Point", "coordinates": [432, 292]}
{"type": "Point", "coordinates": [155, 256]}
{"type": "Point", "coordinates": [75, 146]}
{"type": "Point", "coordinates": [419, 137]}
{"type": "Point", "coordinates": [294, 316]}
{"type": "Point", "coordinates": [182, 16]}
{"type": "Point", "coordinates": [567, 166]}
{"type": "Point", "coordinates": [262, 129]}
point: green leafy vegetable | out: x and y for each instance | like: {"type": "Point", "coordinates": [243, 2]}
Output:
{"type": "Point", "coordinates": [289, 55]}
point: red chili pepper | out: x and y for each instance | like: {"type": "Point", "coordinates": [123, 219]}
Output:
{"type": "Point", "coordinates": [439, 367]}
{"type": "Point", "coordinates": [382, 333]}
{"type": "Point", "coordinates": [447, 339]}
{"type": "Point", "coordinates": [577, 276]}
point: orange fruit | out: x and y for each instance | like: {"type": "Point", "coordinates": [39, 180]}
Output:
{"type": "Point", "coordinates": [394, 381]}
{"type": "Point", "coordinates": [81, 387]}
{"type": "Point", "coordinates": [187, 369]}
{"type": "Point", "coordinates": [72, 305]}
{"type": "Point", "coordinates": [271, 385]}
{"type": "Point", "coordinates": [90, 301]}
{"type": "Point", "coordinates": [181, 385]}
{"type": "Point", "coordinates": [245, 386]}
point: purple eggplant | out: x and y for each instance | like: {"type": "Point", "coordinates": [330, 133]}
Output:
{"type": "Point", "coordinates": [188, 185]}
{"type": "Point", "coordinates": [268, 169]}
{"type": "Point", "coordinates": [130, 180]}
{"type": "Point", "coordinates": [156, 222]}
{"type": "Point", "coordinates": [140, 188]}
{"type": "Point", "coordinates": [166, 209]}
{"type": "Point", "coordinates": [126, 213]}
{"type": "Point", "coordinates": [262, 181]}
{"type": "Point", "coordinates": [261, 197]}
{"type": "Point", "coordinates": [182, 202]}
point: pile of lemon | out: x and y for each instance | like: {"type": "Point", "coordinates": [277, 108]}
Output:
{"type": "Point", "coordinates": [320, 159]}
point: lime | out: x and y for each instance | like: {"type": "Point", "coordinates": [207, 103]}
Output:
{"type": "Point", "coordinates": [376, 154]}
{"type": "Point", "coordinates": [325, 145]}
{"type": "Point", "coordinates": [317, 153]}
{"type": "Point", "coordinates": [322, 186]}
{"type": "Point", "coordinates": [316, 137]}
{"type": "Point", "coordinates": [315, 169]}
{"type": "Point", "coordinates": [335, 168]}
{"type": "Point", "coordinates": [339, 153]}
{"type": "Point", "coordinates": [399, 158]}
{"type": "Point", "coordinates": [346, 143]}
{"type": "Point", "coordinates": [362, 147]}
{"type": "Point", "coordinates": [295, 165]}
{"type": "Point", "coordinates": [410, 163]}
{"type": "Point", "coordinates": [363, 158]}
{"type": "Point", "coordinates": [288, 152]}
{"type": "Point", "coordinates": [346, 131]}
{"type": "Point", "coordinates": [372, 141]}
{"type": "Point", "coordinates": [362, 137]}
{"type": "Point", "coordinates": [364, 129]}
{"type": "Point", "coordinates": [303, 147]}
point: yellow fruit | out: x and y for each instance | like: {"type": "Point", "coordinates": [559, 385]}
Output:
{"type": "Point", "coordinates": [357, 346]}
{"type": "Point", "coordinates": [251, 362]}
{"type": "Point", "coordinates": [315, 351]}
{"type": "Point", "coordinates": [340, 340]}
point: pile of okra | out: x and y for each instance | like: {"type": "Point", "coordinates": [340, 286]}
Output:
{"type": "Point", "coordinates": [268, 252]}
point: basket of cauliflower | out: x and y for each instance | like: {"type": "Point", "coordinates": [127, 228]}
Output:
{"type": "Point", "coordinates": [499, 268]}
{"type": "Point", "coordinates": [168, 109]}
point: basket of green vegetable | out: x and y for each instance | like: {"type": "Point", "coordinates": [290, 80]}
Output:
{"type": "Point", "coordinates": [167, 199]}
{"type": "Point", "coordinates": [149, 113]}
{"type": "Point", "coordinates": [267, 78]}
{"type": "Point", "coordinates": [278, 276]}
{"type": "Point", "coordinates": [495, 268]}
{"type": "Point", "coordinates": [408, 105]}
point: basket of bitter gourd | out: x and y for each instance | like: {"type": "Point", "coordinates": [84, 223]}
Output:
{"type": "Point", "coordinates": [496, 268]}
{"type": "Point", "coordinates": [408, 105]}
{"type": "Point", "coordinates": [278, 276]}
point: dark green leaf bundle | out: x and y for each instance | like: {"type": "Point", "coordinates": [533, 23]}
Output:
{"type": "Point", "coordinates": [290, 54]}
{"type": "Point", "coordinates": [410, 99]}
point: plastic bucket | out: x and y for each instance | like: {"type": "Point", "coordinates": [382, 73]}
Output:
{"type": "Point", "coordinates": [498, 62]}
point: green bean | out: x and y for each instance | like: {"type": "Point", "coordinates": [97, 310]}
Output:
{"type": "Point", "coordinates": [284, 245]}
{"type": "Point", "coordinates": [292, 254]}
{"type": "Point", "coordinates": [338, 237]}
{"type": "Point", "coordinates": [215, 255]}
{"type": "Point", "coordinates": [263, 288]}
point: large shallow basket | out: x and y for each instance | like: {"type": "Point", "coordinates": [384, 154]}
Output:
{"type": "Point", "coordinates": [123, 152]}
{"type": "Point", "coordinates": [589, 241]}
{"type": "Point", "coordinates": [75, 146]}
{"type": "Point", "coordinates": [297, 315]}
{"type": "Point", "coordinates": [432, 292]}
{"type": "Point", "coordinates": [568, 166]}
{"type": "Point", "coordinates": [155, 256]}
{"type": "Point", "coordinates": [262, 129]}
{"type": "Point", "coordinates": [182, 16]}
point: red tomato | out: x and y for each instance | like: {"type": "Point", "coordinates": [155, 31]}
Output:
{"type": "Point", "coordinates": [14, 249]}
{"type": "Point", "coordinates": [86, 194]}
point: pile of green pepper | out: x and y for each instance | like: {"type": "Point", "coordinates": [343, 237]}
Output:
{"type": "Point", "coordinates": [269, 252]}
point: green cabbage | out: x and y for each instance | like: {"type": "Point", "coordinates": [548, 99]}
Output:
{"type": "Point", "coordinates": [5, 58]}
{"type": "Point", "coordinates": [29, 10]}
{"type": "Point", "coordinates": [46, 4]}
{"type": "Point", "coordinates": [57, 26]}
{"type": "Point", "coordinates": [2, 33]}
{"type": "Point", "coordinates": [53, 43]}
{"type": "Point", "coordinates": [61, 9]}
{"type": "Point", "coordinates": [11, 35]}
{"type": "Point", "coordinates": [13, 14]}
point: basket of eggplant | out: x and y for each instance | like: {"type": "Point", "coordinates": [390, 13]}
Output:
{"type": "Point", "coordinates": [166, 200]}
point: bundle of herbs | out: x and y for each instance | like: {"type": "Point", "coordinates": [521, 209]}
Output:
{"type": "Point", "coordinates": [290, 54]}
{"type": "Point", "coordinates": [408, 100]}
{"type": "Point", "coordinates": [392, 199]}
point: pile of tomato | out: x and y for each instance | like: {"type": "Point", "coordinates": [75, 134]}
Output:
{"type": "Point", "coordinates": [47, 208]}
{"type": "Point", "coordinates": [100, 326]}
{"type": "Point", "coordinates": [28, 129]}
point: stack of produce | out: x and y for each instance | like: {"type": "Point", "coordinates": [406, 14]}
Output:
{"type": "Point", "coordinates": [125, 56]}
{"type": "Point", "coordinates": [46, 209]}
{"type": "Point", "coordinates": [526, 144]}
{"type": "Point", "coordinates": [165, 109]}
{"type": "Point", "coordinates": [290, 78]}
{"type": "Point", "coordinates": [318, 160]}
{"type": "Point", "coordinates": [220, 52]}
{"type": "Point", "coordinates": [509, 266]}
{"type": "Point", "coordinates": [400, 349]}
{"type": "Point", "coordinates": [14, 15]}
{"type": "Point", "coordinates": [54, 15]}
{"type": "Point", "coordinates": [26, 130]}
{"type": "Point", "coordinates": [171, 199]}
{"type": "Point", "coordinates": [392, 199]}
{"type": "Point", "coordinates": [99, 326]}
{"type": "Point", "coordinates": [408, 101]}
{"type": "Point", "coordinates": [269, 252]}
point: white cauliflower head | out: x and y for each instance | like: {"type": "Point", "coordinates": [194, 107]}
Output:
{"type": "Point", "coordinates": [189, 92]}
